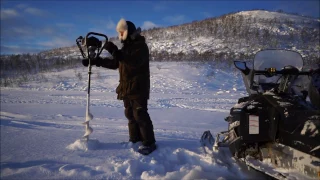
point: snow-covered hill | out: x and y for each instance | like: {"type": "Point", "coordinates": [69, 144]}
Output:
{"type": "Point", "coordinates": [262, 14]}
{"type": "Point", "coordinates": [244, 32]}
{"type": "Point", "coordinates": [232, 35]}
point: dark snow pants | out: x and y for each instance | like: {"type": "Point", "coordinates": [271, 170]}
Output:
{"type": "Point", "coordinates": [140, 124]}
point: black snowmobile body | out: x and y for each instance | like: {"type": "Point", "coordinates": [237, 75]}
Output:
{"type": "Point", "coordinates": [275, 118]}
{"type": "Point", "coordinates": [277, 121]}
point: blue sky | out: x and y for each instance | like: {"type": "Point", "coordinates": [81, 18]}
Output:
{"type": "Point", "coordinates": [29, 26]}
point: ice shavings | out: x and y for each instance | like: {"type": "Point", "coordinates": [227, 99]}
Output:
{"type": "Point", "coordinates": [81, 144]}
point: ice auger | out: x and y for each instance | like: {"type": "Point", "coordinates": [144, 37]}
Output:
{"type": "Point", "coordinates": [94, 48]}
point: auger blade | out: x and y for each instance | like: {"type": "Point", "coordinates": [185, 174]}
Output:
{"type": "Point", "coordinates": [85, 123]}
{"type": "Point", "coordinates": [89, 130]}
{"type": "Point", "coordinates": [89, 117]}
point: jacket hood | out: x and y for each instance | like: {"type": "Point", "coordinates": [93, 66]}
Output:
{"type": "Point", "coordinates": [127, 29]}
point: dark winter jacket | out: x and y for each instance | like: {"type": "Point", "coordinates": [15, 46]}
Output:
{"type": "Point", "coordinates": [132, 60]}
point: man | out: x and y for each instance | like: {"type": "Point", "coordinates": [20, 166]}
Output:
{"type": "Point", "coordinates": [132, 60]}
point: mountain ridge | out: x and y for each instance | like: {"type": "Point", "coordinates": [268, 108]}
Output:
{"type": "Point", "coordinates": [233, 35]}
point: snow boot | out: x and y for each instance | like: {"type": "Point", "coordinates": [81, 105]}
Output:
{"type": "Point", "coordinates": [146, 150]}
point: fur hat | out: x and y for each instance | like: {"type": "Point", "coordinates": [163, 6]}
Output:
{"type": "Point", "coordinates": [125, 29]}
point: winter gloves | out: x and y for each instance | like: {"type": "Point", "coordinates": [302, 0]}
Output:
{"type": "Point", "coordinates": [96, 62]}
{"type": "Point", "coordinates": [110, 47]}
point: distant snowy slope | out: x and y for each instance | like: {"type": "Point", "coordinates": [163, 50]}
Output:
{"type": "Point", "coordinates": [243, 32]}
{"type": "Point", "coordinates": [261, 14]}
{"type": "Point", "coordinates": [232, 35]}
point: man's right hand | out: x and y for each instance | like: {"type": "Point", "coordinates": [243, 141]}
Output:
{"type": "Point", "coordinates": [110, 47]}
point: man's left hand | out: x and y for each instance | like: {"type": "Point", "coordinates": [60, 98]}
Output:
{"type": "Point", "coordinates": [110, 47]}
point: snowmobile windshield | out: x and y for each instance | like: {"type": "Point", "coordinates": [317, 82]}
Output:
{"type": "Point", "coordinates": [277, 59]}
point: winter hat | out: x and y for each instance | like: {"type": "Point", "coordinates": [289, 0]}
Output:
{"type": "Point", "coordinates": [125, 29]}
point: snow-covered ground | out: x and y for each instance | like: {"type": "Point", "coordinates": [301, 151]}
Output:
{"type": "Point", "coordinates": [41, 126]}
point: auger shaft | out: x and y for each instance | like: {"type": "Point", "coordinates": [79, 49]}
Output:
{"type": "Point", "coordinates": [89, 116]}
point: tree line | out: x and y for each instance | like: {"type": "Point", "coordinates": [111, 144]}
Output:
{"type": "Point", "coordinates": [18, 69]}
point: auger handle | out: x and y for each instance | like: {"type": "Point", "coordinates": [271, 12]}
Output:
{"type": "Point", "coordinates": [98, 34]}
{"type": "Point", "coordinates": [78, 40]}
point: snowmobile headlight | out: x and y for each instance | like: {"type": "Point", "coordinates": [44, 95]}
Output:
{"type": "Point", "coordinates": [270, 71]}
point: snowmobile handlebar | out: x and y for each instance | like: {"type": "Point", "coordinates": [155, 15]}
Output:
{"type": "Point", "coordinates": [285, 71]}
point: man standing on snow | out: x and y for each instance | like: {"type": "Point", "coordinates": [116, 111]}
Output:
{"type": "Point", "coordinates": [132, 60]}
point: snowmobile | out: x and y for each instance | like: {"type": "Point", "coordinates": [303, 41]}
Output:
{"type": "Point", "coordinates": [276, 128]}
